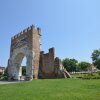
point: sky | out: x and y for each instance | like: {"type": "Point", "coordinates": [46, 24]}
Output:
{"type": "Point", "coordinates": [71, 26]}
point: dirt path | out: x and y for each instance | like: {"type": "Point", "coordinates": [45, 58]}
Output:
{"type": "Point", "coordinates": [7, 82]}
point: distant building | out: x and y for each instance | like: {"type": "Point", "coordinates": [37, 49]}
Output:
{"type": "Point", "coordinates": [2, 69]}
{"type": "Point", "coordinates": [92, 68]}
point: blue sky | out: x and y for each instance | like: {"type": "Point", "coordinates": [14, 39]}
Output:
{"type": "Point", "coordinates": [71, 26]}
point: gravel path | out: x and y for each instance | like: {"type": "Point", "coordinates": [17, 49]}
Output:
{"type": "Point", "coordinates": [7, 82]}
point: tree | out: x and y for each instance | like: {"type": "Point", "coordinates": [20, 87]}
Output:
{"type": "Point", "coordinates": [83, 66]}
{"type": "Point", "coordinates": [24, 70]}
{"type": "Point", "coordinates": [6, 72]}
{"type": "Point", "coordinates": [96, 58]}
{"type": "Point", "coordinates": [70, 64]}
{"type": "Point", "coordinates": [0, 73]}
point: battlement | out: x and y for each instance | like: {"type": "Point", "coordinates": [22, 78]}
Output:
{"type": "Point", "coordinates": [27, 30]}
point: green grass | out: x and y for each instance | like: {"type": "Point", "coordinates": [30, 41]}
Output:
{"type": "Point", "coordinates": [53, 89]}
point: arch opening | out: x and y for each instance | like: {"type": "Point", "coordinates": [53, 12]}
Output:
{"type": "Point", "coordinates": [18, 72]}
{"type": "Point", "coordinates": [20, 63]}
{"type": "Point", "coordinates": [24, 65]}
{"type": "Point", "coordinates": [23, 68]}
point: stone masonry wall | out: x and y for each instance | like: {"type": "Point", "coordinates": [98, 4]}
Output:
{"type": "Point", "coordinates": [51, 67]}
{"type": "Point", "coordinates": [47, 64]}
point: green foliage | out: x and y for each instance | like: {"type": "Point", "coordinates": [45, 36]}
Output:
{"type": "Point", "coordinates": [96, 58]}
{"type": "Point", "coordinates": [83, 66]}
{"type": "Point", "coordinates": [2, 77]}
{"type": "Point", "coordinates": [99, 73]}
{"type": "Point", "coordinates": [70, 64]}
{"type": "Point", "coordinates": [91, 76]}
{"type": "Point", "coordinates": [6, 72]}
{"type": "Point", "coordinates": [24, 70]}
{"type": "Point", "coordinates": [86, 75]}
{"type": "Point", "coordinates": [0, 73]}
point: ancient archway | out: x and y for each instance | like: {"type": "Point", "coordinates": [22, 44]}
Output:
{"type": "Point", "coordinates": [25, 44]}
{"type": "Point", "coordinates": [16, 65]}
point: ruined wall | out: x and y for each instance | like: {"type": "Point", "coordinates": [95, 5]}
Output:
{"type": "Point", "coordinates": [50, 67]}
{"type": "Point", "coordinates": [58, 68]}
{"type": "Point", "coordinates": [47, 64]}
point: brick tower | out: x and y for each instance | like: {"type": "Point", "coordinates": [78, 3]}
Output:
{"type": "Point", "coordinates": [25, 44]}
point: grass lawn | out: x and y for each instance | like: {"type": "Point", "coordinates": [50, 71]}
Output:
{"type": "Point", "coordinates": [53, 89]}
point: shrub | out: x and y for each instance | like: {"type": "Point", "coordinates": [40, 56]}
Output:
{"type": "Point", "coordinates": [99, 73]}
{"type": "Point", "coordinates": [91, 76]}
{"type": "Point", "coordinates": [2, 77]}
{"type": "Point", "coordinates": [0, 73]}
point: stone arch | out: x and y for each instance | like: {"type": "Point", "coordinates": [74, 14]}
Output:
{"type": "Point", "coordinates": [16, 61]}
{"type": "Point", "coordinates": [17, 66]}
{"type": "Point", "coordinates": [17, 72]}
{"type": "Point", "coordinates": [25, 44]}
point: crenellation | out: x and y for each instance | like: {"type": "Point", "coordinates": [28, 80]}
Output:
{"type": "Point", "coordinates": [12, 38]}
{"type": "Point", "coordinates": [24, 31]}
{"type": "Point", "coordinates": [18, 34]}
{"type": "Point", "coordinates": [39, 31]}
{"type": "Point", "coordinates": [32, 27]}
{"type": "Point", "coordinates": [15, 36]}
{"type": "Point", "coordinates": [28, 28]}
{"type": "Point", "coordinates": [21, 33]}
{"type": "Point", "coordinates": [38, 28]}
